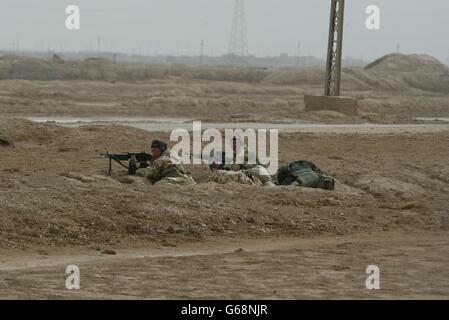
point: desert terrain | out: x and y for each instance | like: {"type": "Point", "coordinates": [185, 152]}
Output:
{"type": "Point", "coordinates": [130, 239]}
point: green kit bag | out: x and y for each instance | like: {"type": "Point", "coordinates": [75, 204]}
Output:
{"type": "Point", "coordinates": [305, 174]}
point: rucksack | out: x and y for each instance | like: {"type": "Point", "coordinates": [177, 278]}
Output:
{"type": "Point", "coordinates": [304, 173]}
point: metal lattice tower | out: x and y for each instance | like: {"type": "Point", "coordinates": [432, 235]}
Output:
{"type": "Point", "coordinates": [238, 45]}
{"type": "Point", "coordinates": [334, 51]}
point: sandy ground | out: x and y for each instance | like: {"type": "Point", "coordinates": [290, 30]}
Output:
{"type": "Point", "coordinates": [58, 205]}
{"type": "Point", "coordinates": [210, 101]}
{"type": "Point", "coordinates": [329, 268]}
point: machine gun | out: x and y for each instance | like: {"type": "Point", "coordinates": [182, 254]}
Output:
{"type": "Point", "coordinates": [135, 160]}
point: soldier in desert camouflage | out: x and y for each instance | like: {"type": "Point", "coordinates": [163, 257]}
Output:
{"type": "Point", "coordinates": [227, 176]}
{"type": "Point", "coordinates": [166, 167]}
{"type": "Point", "coordinates": [244, 173]}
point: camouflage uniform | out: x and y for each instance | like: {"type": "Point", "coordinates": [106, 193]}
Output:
{"type": "Point", "coordinates": [167, 169]}
{"type": "Point", "coordinates": [226, 176]}
{"type": "Point", "coordinates": [257, 173]}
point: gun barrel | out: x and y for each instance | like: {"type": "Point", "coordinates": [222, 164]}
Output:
{"type": "Point", "coordinates": [132, 157]}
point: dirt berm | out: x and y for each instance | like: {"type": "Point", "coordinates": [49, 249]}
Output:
{"type": "Point", "coordinates": [54, 190]}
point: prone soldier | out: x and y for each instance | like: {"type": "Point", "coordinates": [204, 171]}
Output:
{"type": "Point", "coordinates": [165, 166]}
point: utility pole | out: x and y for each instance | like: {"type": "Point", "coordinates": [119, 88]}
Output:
{"type": "Point", "coordinates": [202, 52]}
{"type": "Point", "coordinates": [299, 53]}
{"type": "Point", "coordinates": [98, 44]}
{"type": "Point", "coordinates": [238, 44]}
{"type": "Point", "coordinates": [334, 51]}
{"type": "Point", "coordinates": [332, 99]}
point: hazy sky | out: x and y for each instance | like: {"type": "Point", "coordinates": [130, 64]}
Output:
{"type": "Point", "coordinates": [178, 26]}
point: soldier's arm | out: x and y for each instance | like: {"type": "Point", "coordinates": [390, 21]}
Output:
{"type": "Point", "coordinates": [152, 172]}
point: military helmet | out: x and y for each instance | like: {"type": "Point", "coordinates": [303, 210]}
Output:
{"type": "Point", "coordinates": [159, 145]}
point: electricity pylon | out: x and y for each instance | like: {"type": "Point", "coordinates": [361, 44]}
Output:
{"type": "Point", "coordinates": [238, 45]}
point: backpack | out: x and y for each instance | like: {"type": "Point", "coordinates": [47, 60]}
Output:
{"type": "Point", "coordinates": [304, 173]}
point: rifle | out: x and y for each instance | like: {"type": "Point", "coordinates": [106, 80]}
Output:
{"type": "Point", "coordinates": [135, 160]}
{"type": "Point", "coordinates": [218, 161]}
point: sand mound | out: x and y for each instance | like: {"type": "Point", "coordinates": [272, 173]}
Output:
{"type": "Point", "coordinates": [405, 72]}
{"type": "Point", "coordinates": [295, 76]}
{"type": "Point", "coordinates": [408, 63]}
{"type": "Point", "coordinates": [14, 67]}
{"type": "Point", "coordinates": [13, 131]}
{"type": "Point", "coordinates": [391, 72]}
{"type": "Point", "coordinates": [389, 188]}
